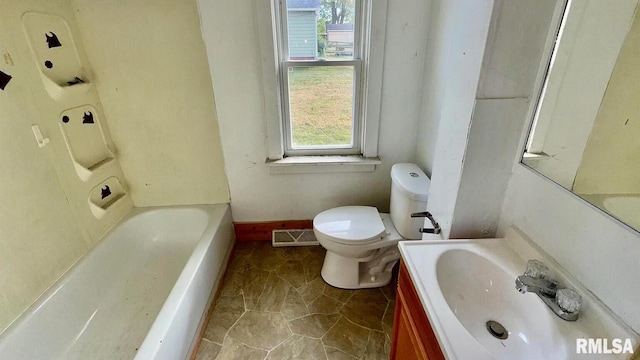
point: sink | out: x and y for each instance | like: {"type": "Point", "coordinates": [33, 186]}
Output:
{"type": "Point", "coordinates": [465, 284]}
{"type": "Point", "coordinates": [477, 290]}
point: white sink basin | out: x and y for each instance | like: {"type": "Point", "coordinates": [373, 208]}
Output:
{"type": "Point", "coordinates": [478, 290]}
{"type": "Point", "coordinates": [465, 283]}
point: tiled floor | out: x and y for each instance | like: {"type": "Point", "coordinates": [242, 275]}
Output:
{"type": "Point", "coordinates": [274, 305]}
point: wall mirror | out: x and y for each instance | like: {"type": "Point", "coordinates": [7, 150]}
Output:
{"type": "Point", "coordinates": [585, 132]}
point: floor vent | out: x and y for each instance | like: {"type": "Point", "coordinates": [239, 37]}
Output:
{"type": "Point", "coordinates": [301, 237]}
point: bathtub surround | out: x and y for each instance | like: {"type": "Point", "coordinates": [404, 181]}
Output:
{"type": "Point", "coordinates": [274, 305]}
{"type": "Point", "coordinates": [45, 220]}
{"type": "Point", "coordinates": [151, 71]}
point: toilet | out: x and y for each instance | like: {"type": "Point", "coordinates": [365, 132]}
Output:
{"type": "Point", "coordinates": [361, 243]}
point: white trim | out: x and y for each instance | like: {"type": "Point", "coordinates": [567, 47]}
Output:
{"type": "Point", "coordinates": [547, 95]}
{"type": "Point", "coordinates": [322, 164]}
{"type": "Point", "coordinates": [266, 17]}
{"type": "Point", "coordinates": [375, 12]}
{"type": "Point", "coordinates": [303, 9]}
{"type": "Point", "coordinates": [286, 63]}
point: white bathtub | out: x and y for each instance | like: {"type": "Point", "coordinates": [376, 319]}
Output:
{"type": "Point", "coordinates": [141, 293]}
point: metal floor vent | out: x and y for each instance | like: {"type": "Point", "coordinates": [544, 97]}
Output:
{"type": "Point", "coordinates": [300, 237]}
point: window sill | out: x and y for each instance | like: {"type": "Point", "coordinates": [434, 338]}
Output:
{"type": "Point", "coordinates": [534, 156]}
{"type": "Point", "coordinates": [322, 164]}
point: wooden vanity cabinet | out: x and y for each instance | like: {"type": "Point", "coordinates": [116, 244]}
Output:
{"type": "Point", "coordinates": [413, 337]}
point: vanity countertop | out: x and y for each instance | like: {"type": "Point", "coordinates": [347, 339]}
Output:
{"type": "Point", "coordinates": [462, 284]}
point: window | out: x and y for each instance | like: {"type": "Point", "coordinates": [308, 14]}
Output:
{"type": "Point", "coordinates": [321, 49]}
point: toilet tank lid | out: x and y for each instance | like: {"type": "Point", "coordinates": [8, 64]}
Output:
{"type": "Point", "coordinates": [352, 224]}
{"type": "Point", "coordinates": [411, 180]}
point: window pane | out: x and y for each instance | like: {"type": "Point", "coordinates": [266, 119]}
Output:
{"type": "Point", "coordinates": [321, 29]}
{"type": "Point", "coordinates": [321, 106]}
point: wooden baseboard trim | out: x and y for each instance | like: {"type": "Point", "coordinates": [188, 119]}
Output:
{"type": "Point", "coordinates": [261, 231]}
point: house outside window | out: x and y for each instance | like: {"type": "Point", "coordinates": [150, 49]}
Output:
{"type": "Point", "coordinates": [302, 18]}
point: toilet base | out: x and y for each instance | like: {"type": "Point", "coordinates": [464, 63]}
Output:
{"type": "Point", "coordinates": [352, 273]}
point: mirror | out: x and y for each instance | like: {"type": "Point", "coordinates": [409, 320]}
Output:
{"type": "Point", "coordinates": [585, 133]}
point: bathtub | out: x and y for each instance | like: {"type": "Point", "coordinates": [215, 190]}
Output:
{"type": "Point", "coordinates": [141, 293]}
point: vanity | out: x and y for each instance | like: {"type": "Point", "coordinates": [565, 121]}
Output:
{"type": "Point", "coordinates": [457, 299]}
{"type": "Point", "coordinates": [413, 336]}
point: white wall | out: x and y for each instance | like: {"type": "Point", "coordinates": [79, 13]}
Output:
{"type": "Point", "coordinates": [151, 72]}
{"type": "Point", "coordinates": [600, 252]}
{"type": "Point", "coordinates": [433, 85]}
{"type": "Point", "coordinates": [230, 31]}
{"type": "Point", "coordinates": [511, 58]}
{"type": "Point", "coordinates": [460, 31]}
{"type": "Point", "coordinates": [493, 137]}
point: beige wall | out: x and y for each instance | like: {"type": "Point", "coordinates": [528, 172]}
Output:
{"type": "Point", "coordinates": [45, 221]}
{"type": "Point", "coordinates": [153, 78]}
{"type": "Point", "coordinates": [610, 160]}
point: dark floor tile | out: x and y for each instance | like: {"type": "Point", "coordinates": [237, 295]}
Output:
{"type": "Point", "coordinates": [315, 325]}
{"type": "Point", "coordinates": [366, 308]}
{"type": "Point", "coordinates": [260, 330]}
{"type": "Point", "coordinates": [294, 306]}
{"type": "Point", "coordinates": [347, 337]}
{"type": "Point", "coordinates": [226, 312]}
{"type": "Point", "coordinates": [208, 350]}
{"type": "Point", "coordinates": [298, 347]}
{"type": "Point", "coordinates": [376, 347]}
{"type": "Point", "coordinates": [324, 305]}
{"type": "Point", "coordinates": [293, 272]}
{"type": "Point", "coordinates": [273, 296]}
{"type": "Point", "coordinates": [233, 350]}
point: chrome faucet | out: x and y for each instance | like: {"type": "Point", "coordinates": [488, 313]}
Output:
{"type": "Point", "coordinates": [565, 303]}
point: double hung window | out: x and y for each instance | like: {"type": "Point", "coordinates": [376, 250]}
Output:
{"type": "Point", "coordinates": [321, 47]}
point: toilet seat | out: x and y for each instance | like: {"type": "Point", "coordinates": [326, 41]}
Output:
{"type": "Point", "coordinates": [350, 225]}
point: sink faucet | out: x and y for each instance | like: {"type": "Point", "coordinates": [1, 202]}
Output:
{"type": "Point", "coordinates": [537, 285]}
{"type": "Point", "coordinates": [565, 303]}
{"type": "Point", "coordinates": [436, 227]}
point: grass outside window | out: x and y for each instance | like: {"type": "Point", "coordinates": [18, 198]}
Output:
{"type": "Point", "coordinates": [321, 105]}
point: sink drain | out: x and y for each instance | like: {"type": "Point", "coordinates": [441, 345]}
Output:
{"type": "Point", "coordinates": [497, 330]}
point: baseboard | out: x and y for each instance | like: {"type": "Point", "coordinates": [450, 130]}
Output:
{"type": "Point", "coordinates": [261, 231]}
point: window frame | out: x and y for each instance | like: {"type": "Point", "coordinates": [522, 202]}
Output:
{"type": "Point", "coordinates": [267, 13]}
{"type": "Point", "coordinates": [285, 63]}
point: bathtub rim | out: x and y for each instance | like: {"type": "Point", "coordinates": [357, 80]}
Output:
{"type": "Point", "coordinates": [177, 293]}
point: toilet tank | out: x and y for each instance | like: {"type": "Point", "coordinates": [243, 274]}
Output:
{"type": "Point", "coordinates": [409, 194]}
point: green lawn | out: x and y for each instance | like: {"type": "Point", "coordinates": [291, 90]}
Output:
{"type": "Point", "coordinates": [321, 102]}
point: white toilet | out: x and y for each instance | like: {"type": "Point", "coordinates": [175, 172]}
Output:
{"type": "Point", "coordinates": [362, 243]}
